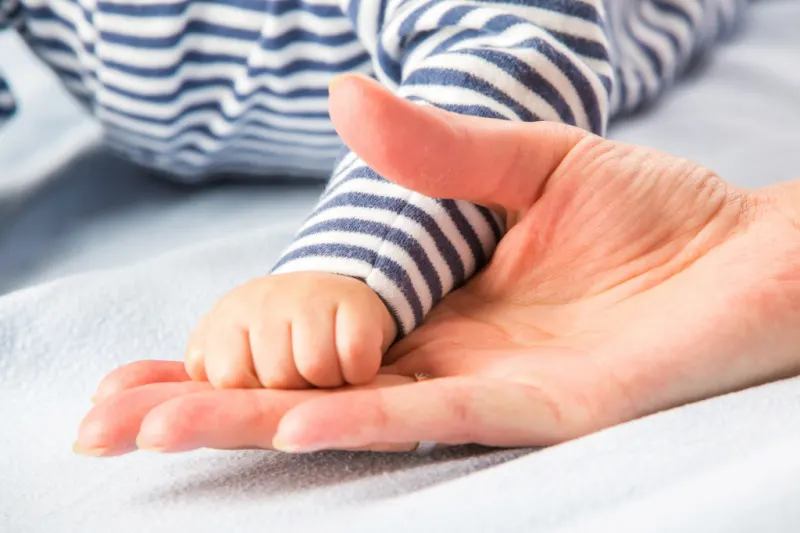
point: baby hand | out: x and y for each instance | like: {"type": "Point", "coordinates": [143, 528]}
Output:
{"type": "Point", "coordinates": [292, 331]}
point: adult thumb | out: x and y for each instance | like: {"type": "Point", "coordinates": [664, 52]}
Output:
{"type": "Point", "coordinates": [495, 163]}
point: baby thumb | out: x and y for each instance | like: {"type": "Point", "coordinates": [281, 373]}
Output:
{"type": "Point", "coordinates": [495, 163]}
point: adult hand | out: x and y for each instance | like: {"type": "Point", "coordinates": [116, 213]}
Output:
{"type": "Point", "coordinates": [630, 282]}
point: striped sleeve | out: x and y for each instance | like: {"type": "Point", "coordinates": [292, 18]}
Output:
{"type": "Point", "coordinates": [522, 60]}
{"type": "Point", "coordinates": [10, 17]}
{"type": "Point", "coordinates": [654, 41]}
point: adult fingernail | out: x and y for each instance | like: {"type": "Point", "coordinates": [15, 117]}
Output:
{"type": "Point", "coordinates": [154, 449]}
{"type": "Point", "coordinates": [293, 447]}
{"type": "Point", "coordinates": [89, 452]}
{"type": "Point", "coordinates": [150, 446]}
{"type": "Point", "coordinates": [286, 447]}
{"type": "Point", "coordinates": [333, 82]}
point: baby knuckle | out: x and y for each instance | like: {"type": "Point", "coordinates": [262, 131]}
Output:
{"type": "Point", "coordinates": [228, 378]}
{"type": "Point", "coordinates": [322, 372]}
{"type": "Point", "coordinates": [195, 368]}
{"type": "Point", "coordinates": [280, 382]}
{"type": "Point", "coordinates": [351, 350]}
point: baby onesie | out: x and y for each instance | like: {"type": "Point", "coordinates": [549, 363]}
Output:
{"type": "Point", "coordinates": [194, 88]}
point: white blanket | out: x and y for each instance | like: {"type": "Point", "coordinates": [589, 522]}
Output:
{"type": "Point", "coordinates": [118, 266]}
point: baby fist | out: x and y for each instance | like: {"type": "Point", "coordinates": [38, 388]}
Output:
{"type": "Point", "coordinates": [292, 331]}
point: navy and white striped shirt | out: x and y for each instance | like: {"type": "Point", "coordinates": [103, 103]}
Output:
{"type": "Point", "coordinates": [198, 87]}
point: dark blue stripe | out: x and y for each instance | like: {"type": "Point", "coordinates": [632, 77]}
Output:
{"type": "Point", "coordinates": [200, 27]}
{"type": "Point", "coordinates": [589, 98]}
{"type": "Point", "coordinates": [67, 75]}
{"type": "Point", "coordinates": [243, 153]}
{"type": "Point", "coordinates": [189, 146]}
{"type": "Point", "coordinates": [491, 221]}
{"type": "Point", "coordinates": [454, 15]}
{"type": "Point", "coordinates": [446, 45]}
{"type": "Point", "coordinates": [269, 145]}
{"type": "Point", "coordinates": [138, 9]}
{"type": "Point", "coordinates": [216, 107]}
{"type": "Point", "coordinates": [664, 33]}
{"type": "Point", "coordinates": [455, 78]}
{"type": "Point", "coordinates": [607, 82]}
{"type": "Point", "coordinates": [428, 223]}
{"type": "Point", "coordinates": [294, 67]}
{"type": "Point", "coordinates": [667, 7]}
{"type": "Point", "coordinates": [361, 172]}
{"type": "Point", "coordinates": [10, 17]}
{"type": "Point", "coordinates": [529, 78]}
{"type": "Point", "coordinates": [198, 84]}
{"type": "Point", "coordinates": [638, 95]}
{"type": "Point", "coordinates": [389, 234]}
{"type": "Point", "coordinates": [389, 268]}
{"type": "Point", "coordinates": [352, 12]}
{"type": "Point", "coordinates": [584, 47]}
{"type": "Point", "coordinates": [649, 53]}
{"type": "Point", "coordinates": [580, 10]}
{"type": "Point", "coordinates": [46, 14]}
{"type": "Point", "coordinates": [466, 231]}
{"type": "Point", "coordinates": [462, 109]}
{"type": "Point", "coordinates": [381, 14]}
{"type": "Point", "coordinates": [389, 66]}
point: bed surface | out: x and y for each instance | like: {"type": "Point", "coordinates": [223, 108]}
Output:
{"type": "Point", "coordinates": [101, 265]}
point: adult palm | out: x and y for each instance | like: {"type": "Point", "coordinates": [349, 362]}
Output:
{"type": "Point", "coordinates": [630, 281]}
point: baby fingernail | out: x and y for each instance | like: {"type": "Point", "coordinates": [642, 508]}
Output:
{"type": "Point", "coordinates": [149, 446]}
{"type": "Point", "coordinates": [154, 449]}
{"type": "Point", "coordinates": [286, 447]}
{"type": "Point", "coordinates": [290, 447]}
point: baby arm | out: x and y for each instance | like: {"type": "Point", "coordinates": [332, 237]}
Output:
{"type": "Point", "coordinates": [384, 254]}
{"type": "Point", "coordinates": [388, 255]}
{"type": "Point", "coordinates": [493, 59]}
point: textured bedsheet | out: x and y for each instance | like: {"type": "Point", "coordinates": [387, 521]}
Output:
{"type": "Point", "coordinates": [101, 265]}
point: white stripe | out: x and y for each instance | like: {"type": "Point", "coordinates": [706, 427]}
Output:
{"type": "Point", "coordinates": [540, 63]}
{"type": "Point", "coordinates": [232, 153]}
{"type": "Point", "coordinates": [217, 125]}
{"type": "Point", "coordinates": [228, 103]}
{"type": "Point", "coordinates": [367, 25]}
{"type": "Point", "coordinates": [382, 247]}
{"type": "Point", "coordinates": [660, 46]}
{"type": "Point", "coordinates": [637, 60]}
{"type": "Point", "coordinates": [674, 26]}
{"type": "Point", "coordinates": [149, 86]}
{"type": "Point", "coordinates": [438, 95]}
{"type": "Point", "coordinates": [246, 51]}
{"type": "Point", "coordinates": [213, 148]}
{"type": "Point", "coordinates": [416, 58]}
{"type": "Point", "coordinates": [386, 288]}
{"type": "Point", "coordinates": [267, 24]}
{"type": "Point", "coordinates": [401, 222]}
{"type": "Point", "coordinates": [541, 17]}
{"type": "Point", "coordinates": [505, 83]}
{"type": "Point", "coordinates": [479, 224]}
{"type": "Point", "coordinates": [367, 186]}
